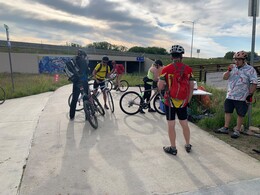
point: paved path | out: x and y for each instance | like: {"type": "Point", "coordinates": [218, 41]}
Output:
{"type": "Point", "coordinates": [123, 156]}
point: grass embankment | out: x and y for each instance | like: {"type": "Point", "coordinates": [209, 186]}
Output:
{"type": "Point", "coordinates": [31, 84]}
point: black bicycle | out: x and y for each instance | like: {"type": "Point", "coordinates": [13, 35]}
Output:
{"type": "Point", "coordinates": [89, 108]}
{"type": "Point", "coordinates": [131, 101]}
{"type": "Point", "coordinates": [2, 95]}
{"type": "Point", "coordinates": [80, 106]}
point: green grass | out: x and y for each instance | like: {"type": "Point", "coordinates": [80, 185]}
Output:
{"type": "Point", "coordinates": [30, 84]}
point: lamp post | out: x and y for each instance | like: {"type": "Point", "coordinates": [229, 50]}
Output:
{"type": "Point", "coordinates": [192, 32]}
{"type": "Point", "coordinates": [9, 52]}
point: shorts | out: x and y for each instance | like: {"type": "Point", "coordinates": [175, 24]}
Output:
{"type": "Point", "coordinates": [171, 111]}
{"type": "Point", "coordinates": [101, 84]}
{"type": "Point", "coordinates": [240, 106]}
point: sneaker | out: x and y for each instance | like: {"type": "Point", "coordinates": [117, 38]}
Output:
{"type": "Point", "coordinates": [151, 110]}
{"type": "Point", "coordinates": [223, 130]}
{"type": "Point", "coordinates": [235, 135]}
{"type": "Point", "coordinates": [170, 150]}
{"type": "Point", "coordinates": [188, 147]}
{"type": "Point", "coordinates": [141, 111]}
{"type": "Point", "coordinates": [106, 107]}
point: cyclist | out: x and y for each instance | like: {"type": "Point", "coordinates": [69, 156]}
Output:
{"type": "Point", "coordinates": [119, 70]}
{"type": "Point", "coordinates": [150, 81]}
{"type": "Point", "coordinates": [82, 62]}
{"type": "Point", "coordinates": [100, 72]}
{"type": "Point", "coordinates": [175, 106]}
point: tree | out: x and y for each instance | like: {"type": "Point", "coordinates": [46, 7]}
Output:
{"type": "Point", "coordinates": [229, 55]}
{"type": "Point", "coordinates": [150, 50]}
{"type": "Point", "coordinates": [137, 49]}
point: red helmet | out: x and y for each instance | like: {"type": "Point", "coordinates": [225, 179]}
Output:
{"type": "Point", "coordinates": [240, 55]}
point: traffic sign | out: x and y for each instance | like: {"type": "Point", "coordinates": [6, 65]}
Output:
{"type": "Point", "coordinates": [140, 59]}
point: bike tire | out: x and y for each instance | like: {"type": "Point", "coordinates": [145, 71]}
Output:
{"type": "Point", "coordinates": [79, 106]}
{"type": "Point", "coordinates": [156, 104]}
{"type": "Point", "coordinates": [110, 101]}
{"type": "Point", "coordinates": [90, 114]}
{"type": "Point", "coordinates": [98, 107]}
{"type": "Point", "coordinates": [130, 102]}
{"type": "Point", "coordinates": [2, 95]}
{"type": "Point", "coordinates": [124, 85]}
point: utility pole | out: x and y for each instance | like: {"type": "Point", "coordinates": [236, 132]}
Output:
{"type": "Point", "coordinates": [253, 11]}
{"type": "Point", "coordinates": [9, 52]}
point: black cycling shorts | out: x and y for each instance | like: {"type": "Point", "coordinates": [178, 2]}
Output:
{"type": "Point", "coordinates": [171, 111]}
{"type": "Point", "coordinates": [101, 84]}
{"type": "Point", "coordinates": [240, 106]}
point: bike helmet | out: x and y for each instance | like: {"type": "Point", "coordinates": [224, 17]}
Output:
{"type": "Point", "coordinates": [82, 53]}
{"type": "Point", "coordinates": [177, 49]}
{"type": "Point", "coordinates": [240, 55]}
{"type": "Point", "coordinates": [105, 59]}
{"type": "Point", "coordinates": [158, 62]}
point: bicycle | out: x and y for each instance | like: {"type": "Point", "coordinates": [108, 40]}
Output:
{"type": "Point", "coordinates": [123, 85]}
{"type": "Point", "coordinates": [97, 105]}
{"type": "Point", "coordinates": [89, 108]}
{"type": "Point", "coordinates": [2, 95]}
{"type": "Point", "coordinates": [131, 101]}
{"type": "Point", "coordinates": [108, 95]}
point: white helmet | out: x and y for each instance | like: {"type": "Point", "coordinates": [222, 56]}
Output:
{"type": "Point", "coordinates": [177, 49]}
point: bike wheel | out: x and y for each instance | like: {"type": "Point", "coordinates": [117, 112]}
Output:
{"type": "Point", "coordinates": [90, 114]}
{"type": "Point", "coordinates": [130, 102]}
{"type": "Point", "coordinates": [98, 107]}
{"type": "Point", "coordinates": [124, 85]}
{"type": "Point", "coordinates": [110, 101]}
{"type": "Point", "coordinates": [79, 106]}
{"type": "Point", "coordinates": [2, 95]}
{"type": "Point", "coordinates": [158, 104]}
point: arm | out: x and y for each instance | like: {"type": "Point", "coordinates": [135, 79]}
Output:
{"type": "Point", "coordinates": [191, 89]}
{"type": "Point", "coordinates": [227, 73]}
{"type": "Point", "coordinates": [161, 83]}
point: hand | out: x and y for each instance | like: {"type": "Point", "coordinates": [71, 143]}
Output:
{"type": "Point", "coordinates": [230, 67]}
{"type": "Point", "coordinates": [249, 98]}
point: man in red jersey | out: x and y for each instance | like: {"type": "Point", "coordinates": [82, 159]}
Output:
{"type": "Point", "coordinates": [174, 105]}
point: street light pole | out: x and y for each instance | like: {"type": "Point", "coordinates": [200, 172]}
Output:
{"type": "Point", "coordinates": [9, 52]}
{"type": "Point", "coordinates": [192, 33]}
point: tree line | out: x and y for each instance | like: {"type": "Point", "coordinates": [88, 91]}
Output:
{"type": "Point", "coordinates": [149, 50]}
{"type": "Point", "coordinates": [108, 46]}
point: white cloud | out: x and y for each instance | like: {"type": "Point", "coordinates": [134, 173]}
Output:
{"type": "Point", "coordinates": [132, 22]}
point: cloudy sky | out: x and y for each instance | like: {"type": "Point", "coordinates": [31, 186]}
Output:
{"type": "Point", "coordinates": [219, 25]}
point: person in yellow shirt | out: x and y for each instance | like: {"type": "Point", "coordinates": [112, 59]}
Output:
{"type": "Point", "coordinates": [100, 72]}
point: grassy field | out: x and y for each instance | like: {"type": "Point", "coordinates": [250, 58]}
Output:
{"type": "Point", "coordinates": [30, 84]}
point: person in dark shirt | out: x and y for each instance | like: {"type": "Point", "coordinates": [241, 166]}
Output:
{"type": "Point", "coordinates": [82, 62]}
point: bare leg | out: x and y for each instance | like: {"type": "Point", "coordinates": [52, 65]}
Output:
{"type": "Point", "coordinates": [227, 119]}
{"type": "Point", "coordinates": [240, 120]}
{"type": "Point", "coordinates": [186, 130]}
{"type": "Point", "coordinates": [171, 132]}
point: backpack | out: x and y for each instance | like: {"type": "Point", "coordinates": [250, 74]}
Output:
{"type": "Point", "coordinates": [71, 69]}
{"type": "Point", "coordinates": [179, 83]}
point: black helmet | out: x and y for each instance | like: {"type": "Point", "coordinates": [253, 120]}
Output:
{"type": "Point", "coordinates": [159, 62]}
{"type": "Point", "coordinates": [177, 49]}
{"type": "Point", "coordinates": [82, 53]}
{"type": "Point", "coordinates": [105, 59]}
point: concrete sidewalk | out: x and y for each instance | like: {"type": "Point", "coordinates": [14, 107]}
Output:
{"type": "Point", "coordinates": [123, 156]}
